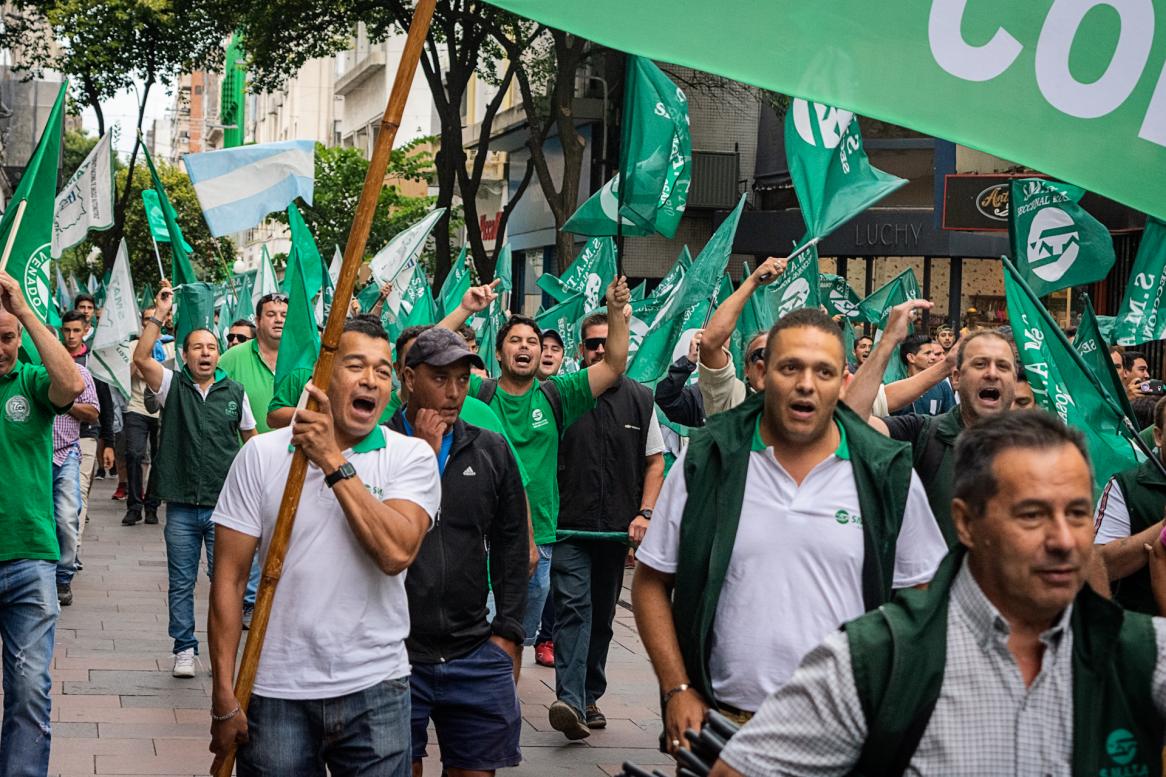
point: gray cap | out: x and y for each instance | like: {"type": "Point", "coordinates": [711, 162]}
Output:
{"type": "Point", "coordinates": [440, 347]}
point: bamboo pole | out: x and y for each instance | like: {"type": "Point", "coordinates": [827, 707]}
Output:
{"type": "Point", "coordinates": [12, 233]}
{"type": "Point", "coordinates": [374, 181]}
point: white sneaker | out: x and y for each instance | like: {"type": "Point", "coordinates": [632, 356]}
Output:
{"type": "Point", "coordinates": [184, 663]}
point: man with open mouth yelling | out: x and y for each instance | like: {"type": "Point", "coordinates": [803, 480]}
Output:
{"type": "Point", "coordinates": [985, 376]}
{"type": "Point", "coordinates": [786, 516]}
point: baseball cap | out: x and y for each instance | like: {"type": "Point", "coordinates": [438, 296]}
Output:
{"type": "Point", "coordinates": [440, 347]}
{"type": "Point", "coordinates": [554, 333]}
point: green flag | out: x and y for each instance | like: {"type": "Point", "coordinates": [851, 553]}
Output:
{"type": "Point", "coordinates": [28, 260]}
{"type": "Point", "coordinates": [656, 150]}
{"type": "Point", "coordinates": [797, 287]}
{"type": "Point", "coordinates": [146, 297]}
{"type": "Point", "coordinates": [709, 266]}
{"type": "Point", "coordinates": [829, 169]}
{"type": "Point", "coordinates": [504, 270]}
{"type": "Point", "coordinates": [640, 291]}
{"type": "Point", "coordinates": [672, 278]}
{"type": "Point", "coordinates": [1064, 384]}
{"type": "Point", "coordinates": [194, 305]}
{"type": "Point", "coordinates": [1089, 343]}
{"type": "Point", "coordinates": [596, 216]}
{"type": "Point", "coordinates": [660, 343]}
{"type": "Point", "coordinates": [457, 283]}
{"type": "Point", "coordinates": [564, 318]}
{"type": "Point", "coordinates": [157, 221]}
{"type": "Point", "coordinates": [418, 307]}
{"type": "Point", "coordinates": [1088, 84]}
{"type": "Point", "coordinates": [837, 296]}
{"type": "Point", "coordinates": [1055, 242]}
{"type": "Point", "coordinates": [300, 344]}
{"type": "Point", "coordinates": [181, 270]}
{"type": "Point", "coordinates": [589, 274]}
{"type": "Point", "coordinates": [486, 328]}
{"type": "Point", "coordinates": [875, 308]}
{"type": "Point", "coordinates": [1140, 318]}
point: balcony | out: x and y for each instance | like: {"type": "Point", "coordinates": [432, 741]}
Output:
{"type": "Point", "coordinates": [361, 71]}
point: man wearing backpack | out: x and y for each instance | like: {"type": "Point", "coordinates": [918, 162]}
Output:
{"type": "Point", "coordinates": [1007, 664]}
{"type": "Point", "coordinates": [536, 413]}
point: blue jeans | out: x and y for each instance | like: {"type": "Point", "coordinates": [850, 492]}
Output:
{"type": "Point", "coordinates": [252, 582]}
{"type": "Point", "coordinates": [364, 733]}
{"type": "Point", "coordinates": [188, 528]}
{"type": "Point", "coordinates": [536, 593]}
{"type": "Point", "coordinates": [28, 620]}
{"type": "Point", "coordinates": [67, 511]}
{"type": "Point", "coordinates": [586, 578]}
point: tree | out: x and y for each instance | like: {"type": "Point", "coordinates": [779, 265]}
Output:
{"type": "Point", "coordinates": [143, 265]}
{"type": "Point", "coordinates": [340, 175]}
{"type": "Point", "coordinates": [109, 46]}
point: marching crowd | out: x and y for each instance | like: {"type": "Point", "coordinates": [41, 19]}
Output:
{"type": "Point", "coordinates": [448, 518]}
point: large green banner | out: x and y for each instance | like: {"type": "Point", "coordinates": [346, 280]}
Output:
{"type": "Point", "coordinates": [1073, 88]}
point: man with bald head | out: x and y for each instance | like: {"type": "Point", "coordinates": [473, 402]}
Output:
{"type": "Point", "coordinates": [31, 396]}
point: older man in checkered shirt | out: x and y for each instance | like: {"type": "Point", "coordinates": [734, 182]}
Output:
{"type": "Point", "coordinates": [1007, 664]}
{"type": "Point", "coordinates": [67, 481]}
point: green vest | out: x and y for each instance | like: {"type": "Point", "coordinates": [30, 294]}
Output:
{"type": "Point", "coordinates": [199, 440]}
{"type": "Point", "coordinates": [715, 469]}
{"type": "Point", "coordinates": [899, 652]}
{"type": "Point", "coordinates": [1144, 489]}
{"type": "Point", "coordinates": [934, 460]}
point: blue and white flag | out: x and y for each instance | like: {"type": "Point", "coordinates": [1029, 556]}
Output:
{"type": "Point", "coordinates": [238, 187]}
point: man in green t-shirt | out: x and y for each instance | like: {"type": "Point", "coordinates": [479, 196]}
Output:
{"type": "Point", "coordinates": [534, 427]}
{"type": "Point", "coordinates": [253, 362]}
{"type": "Point", "coordinates": [31, 396]}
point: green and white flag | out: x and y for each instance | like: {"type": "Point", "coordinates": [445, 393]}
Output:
{"type": "Point", "coordinates": [589, 274]}
{"type": "Point", "coordinates": [640, 291]}
{"type": "Point", "coordinates": [875, 308]}
{"type": "Point", "coordinates": [797, 287]}
{"type": "Point", "coordinates": [194, 308]}
{"type": "Point", "coordinates": [486, 326]}
{"type": "Point", "coordinates": [157, 221]}
{"type": "Point", "coordinates": [395, 257]}
{"type": "Point", "coordinates": [1063, 384]}
{"type": "Point", "coordinates": [656, 150]}
{"type": "Point", "coordinates": [597, 215]}
{"type": "Point", "coordinates": [181, 271]}
{"type": "Point", "coordinates": [1083, 82]}
{"type": "Point", "coordinates": [300, 344]}
{"type": "Point", "coordinates": [564, 318]}
{"type": "Point", "coordinates": [265, 280]}
{"type": "Point", "coordinates": [110, 357]}
{"type": "Point", "coordinates": [837, 296]}
{"type": "Point", "coordinates": [828, 166]}
{"type": "Point", "coordinates": [707, 270]}
{"type": "Point", "coordinates": [86, 202]}
{"type": "Point", "coordinates": [28, 261]}
{"type": "Point", "coordinates": [1089, 343]}
{"type": "Point", "coordinates": [504, 270]}
{"type": "Point", "coordinates": [418, 307]}
{"type": "Point", "coordinates": [673, 277]}
{"type": "Point", "coordinates": [1142, 315]}
{"type": "Point", "coordinates": [1055, 242]}
{"type": "Point", "coordinates": [457, 283]}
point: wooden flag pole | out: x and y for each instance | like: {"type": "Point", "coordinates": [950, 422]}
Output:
{"type": "Point", "coordinates": [12, 233]}
{"type": "Point", "coordinates": [374, 181]}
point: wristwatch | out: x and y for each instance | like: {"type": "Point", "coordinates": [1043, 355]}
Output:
{"type": "Point", "coordinates": [155, 321]}
{"type": "Point", "coordinates": [343, 472]}
{"type": "Point", "coordinates": [645, 513]}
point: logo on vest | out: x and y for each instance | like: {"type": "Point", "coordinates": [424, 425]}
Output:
{"type": "Point", "coordinates": [537, 419]}
{"type": "Point", "coordinates": [1123, 749]}
{"type": "Point", "coordinates": [17, 409]}
{"type": "Point", "coordinates": [232, 407]}
{"type": "Point", "coordinates": [845, 516]}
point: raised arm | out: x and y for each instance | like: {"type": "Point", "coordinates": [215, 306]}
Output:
{"type": "Point", "coordinates": [475, 300]}
{"type": "Point", "coordinates": [149, 367]}
{"type": "Point", "coordinates": [65, 382]}
{"type": "Point", "coordinates": [724, 320]}
{"type": "Point", "coordinates": [681, 406]}
{"type": "Point", "coordinates": [903, 392]}
{"type": "Point", "coordinates": [860, 394]}
{"type": "Point", "coordinates": [603, 376]}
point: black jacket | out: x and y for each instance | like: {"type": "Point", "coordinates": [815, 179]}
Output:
{"type": "Point", "coordinates": [681, 403]}
{"type": "Point", "coordinates": [483, 511]}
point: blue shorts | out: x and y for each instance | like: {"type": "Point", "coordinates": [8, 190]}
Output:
{"type": "Point", "coordinates": [474, 706]}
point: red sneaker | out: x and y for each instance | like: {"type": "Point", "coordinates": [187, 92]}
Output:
{"type": "Point", "coordinates": [121, 492]}
{"type": "Point", "coordinates": [544, 654]}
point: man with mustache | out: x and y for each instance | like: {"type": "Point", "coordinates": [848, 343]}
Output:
{"type": "Point", "coordinates": [785, 517]}
{"type": "Point", "coordinates": [1007, 664]}
{"type": "Point", "coordinates": [203, 415]}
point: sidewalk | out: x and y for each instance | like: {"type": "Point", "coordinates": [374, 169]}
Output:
{"type": "Point", "coordinates": [117, 710]}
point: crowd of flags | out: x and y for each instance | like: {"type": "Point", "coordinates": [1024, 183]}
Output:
{"type": "Point", "coordinates": [1055, 245]}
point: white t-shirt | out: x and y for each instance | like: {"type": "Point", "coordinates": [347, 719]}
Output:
{"type": "Point", "coordinates": [796, 570]}
{"type": "Point", "coordinates": [246, 423]}
{"type": "Point", "coordinates": [655, 441]}
{"type": "Point", "coordinates": [338, 623]}
{"type": "Point", "coordinates": [1111, 521]}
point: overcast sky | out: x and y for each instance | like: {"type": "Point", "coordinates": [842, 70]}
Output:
{"type": "Point", "coordinates": [123, 110]}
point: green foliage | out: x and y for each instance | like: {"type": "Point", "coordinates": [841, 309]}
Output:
{"type": "Point", "coordinates": [143, 264]}
{"type": "Point", "coordinates": [78, 144]}
{"type": "Point", "coordinates": [340, 173]}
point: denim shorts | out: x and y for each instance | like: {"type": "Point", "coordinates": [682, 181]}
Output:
{"type": "Point", "coordinates": [473, 703]}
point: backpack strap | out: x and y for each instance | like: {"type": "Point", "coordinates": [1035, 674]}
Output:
{"type": "Point", "coordinates": [929, 452]}
{"type": "Point", "coordinates": [550, 390]}
{"type": "Point", "coordinates": [487, 389]}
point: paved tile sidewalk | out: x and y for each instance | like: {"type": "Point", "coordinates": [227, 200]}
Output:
{"type": "Point", "coordinates": [117, 710]}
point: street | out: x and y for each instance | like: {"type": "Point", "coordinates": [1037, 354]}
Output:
{"type": "Point", "coordinates": [117, 710]}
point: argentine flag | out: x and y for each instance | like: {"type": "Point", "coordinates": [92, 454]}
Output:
{"type": "Point", "coordinates": [238, 187]}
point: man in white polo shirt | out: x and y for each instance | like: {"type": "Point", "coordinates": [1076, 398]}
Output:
{"type": "Point", "coordinates": [332, 688]}
{"type": "Point", "coordinates": [784, 518]}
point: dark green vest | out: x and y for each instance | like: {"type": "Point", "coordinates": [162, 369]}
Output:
{"type": "Point", "coordinates": [1144, 489]}
{"type": "Point", "coordinates": [934, 460]}
{"type": "Point", "coordinates": [199, 440]}
{"type": "Point", "coordinates": [715, 468]}
{"type": "Point", "coordinates": [899, 653]}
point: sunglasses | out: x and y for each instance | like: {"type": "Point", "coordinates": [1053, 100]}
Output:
{"type": "Point", "coordinates": [594, 343]}
{"type": "Point", "coordinates": [757, 355]}
{"type": "Point", "coordinates": [275, 296]}
{"type": "Point", "coordinates": [237, 338]}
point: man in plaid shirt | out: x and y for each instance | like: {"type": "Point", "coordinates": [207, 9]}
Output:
{"type": "Point", "coordinates": [67, 481]}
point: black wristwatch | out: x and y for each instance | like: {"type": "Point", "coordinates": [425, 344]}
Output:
{"type": "Point", "coordinates": [645, 513]}
{"type": "Point", "coordinates": [343, 472]}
